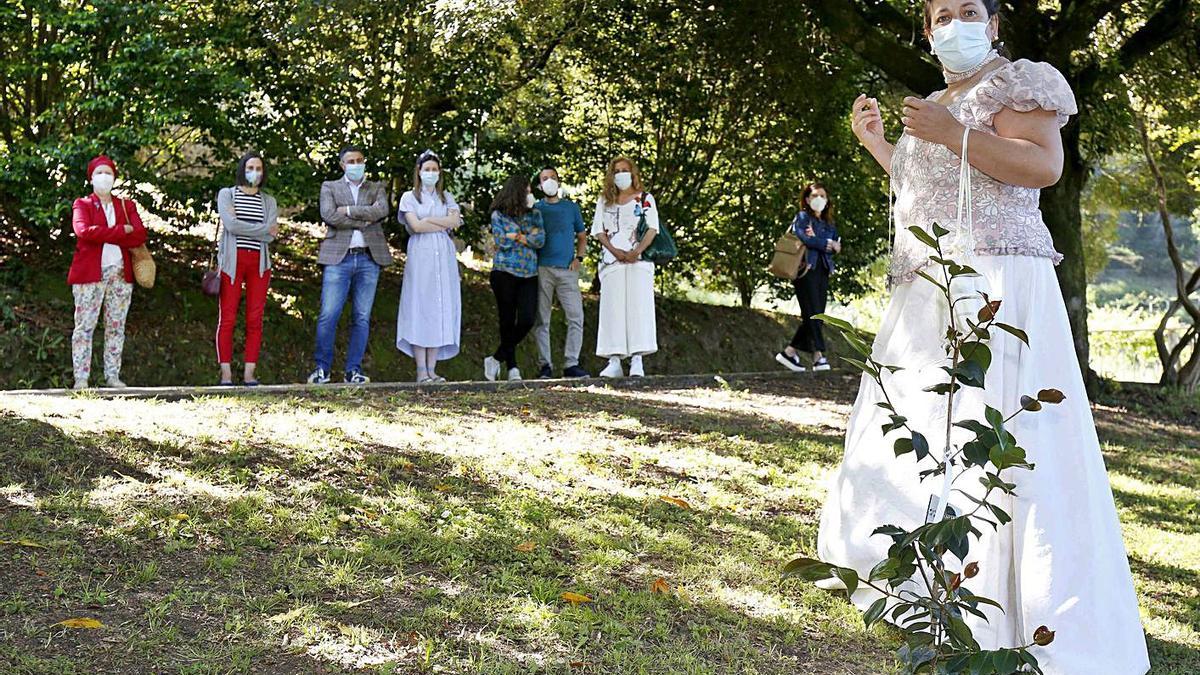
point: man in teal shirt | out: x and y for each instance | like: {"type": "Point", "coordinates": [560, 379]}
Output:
{"type": "Point", "coordinates": [558, 274]}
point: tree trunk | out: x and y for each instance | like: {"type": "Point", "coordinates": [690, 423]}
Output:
{"type": "Point", "coordinates": [1061, 210]}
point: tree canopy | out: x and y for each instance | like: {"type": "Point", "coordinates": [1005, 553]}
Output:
{"type": "Point", "coordinates": [730, 108]}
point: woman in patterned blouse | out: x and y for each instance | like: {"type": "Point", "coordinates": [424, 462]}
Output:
{"type": "Point", "coordinates": [518, 234]}
{"type": "Point", "coordinates": [1061, 560]}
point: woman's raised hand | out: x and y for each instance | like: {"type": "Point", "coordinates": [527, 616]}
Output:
{"type": "Point", "coordinates": [867, 122]}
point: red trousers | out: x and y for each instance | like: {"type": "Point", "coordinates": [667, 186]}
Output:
{"type": "Point", "coordinates": [256, 286]}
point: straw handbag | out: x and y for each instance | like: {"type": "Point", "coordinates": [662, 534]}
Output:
{"type": "Point", "coordinates": [144, 270]}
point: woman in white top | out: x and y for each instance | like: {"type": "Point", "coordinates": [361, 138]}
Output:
{"type": "Point", "coordinates": [430, 316]}
{"type": "Point", "coordinates": [627, 324]}
{"type": "Point", "coordinates": [1061, 561]}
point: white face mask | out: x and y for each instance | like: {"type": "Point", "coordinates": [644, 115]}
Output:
{"type": "Point", "coordinates": [529, 200]}
{"type": "Point", "coordinates": [550, 187]}
{"type": "Point", "coordinates": [623, 180]}
{"type": "Point", "coordinates": [253, 178]}
{"type": "Point", "coordinates": [430, 178]}
{"type": "Point", "coordinates": [962, 45]}
{"type": "Point", "coordinates": [102, 183]}
{"type": "Point", "coordinates": [818, 204]}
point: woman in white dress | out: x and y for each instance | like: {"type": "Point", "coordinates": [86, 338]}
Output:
{"type": "Point", "coordinates": [627, 323]}
{"type": "Point", "coordinates": [429, 321]}
{"type": "Point", "coordinates": [1061, 561]}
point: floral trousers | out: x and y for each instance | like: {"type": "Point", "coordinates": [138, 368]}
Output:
{"type": "Point", "coordinates": [114, 293]}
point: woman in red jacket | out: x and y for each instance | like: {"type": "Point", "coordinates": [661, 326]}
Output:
{"type": "Point", "coordinates": [102, 272]}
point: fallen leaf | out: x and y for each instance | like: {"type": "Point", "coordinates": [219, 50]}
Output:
{"type": "Point", "coordinates": [676, 501]}
{"type": "Point", "coordinates": [575, 598]}
{"type": "Point", "coordinates": [28, 543]}
{"type": "Point", "coordinates": [81, 623]}
{"type": "Point", "coordinates": [526, 547]}
{"type": "Point", "coordinates": [660, 585]}
{"type": "Point", "coordinates": [287, 616]}
{"type": "Point", "coordinates": [181, 516]}
{"type": "Point", "coordinates": [578, 664]}
{"type": "Point", "coordinates": [343, 517]}
{"type": "Point", "coordinates": [441, 487]}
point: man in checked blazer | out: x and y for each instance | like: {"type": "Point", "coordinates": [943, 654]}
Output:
{"type": "Point", "coordinates": [351, 255]}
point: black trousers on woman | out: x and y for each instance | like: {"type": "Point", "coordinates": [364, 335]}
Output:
{"type": "Point", "coordinates": [812, 290]}
{"type": "Point", "coordinates": [516, 303]}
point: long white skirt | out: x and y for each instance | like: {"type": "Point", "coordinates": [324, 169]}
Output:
{"type": "Point", "coordinates": [627, 322]}
{"type": "Point", "coordinates": [1061, 562]}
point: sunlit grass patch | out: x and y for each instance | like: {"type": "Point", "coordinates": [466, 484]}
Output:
{"type": "Point", "coordinates": [409, 533]}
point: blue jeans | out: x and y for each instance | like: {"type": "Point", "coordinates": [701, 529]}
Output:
{"type": "Point", "coordinates": [356, 276]}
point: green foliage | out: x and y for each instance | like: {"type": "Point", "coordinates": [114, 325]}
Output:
{"type": "Point", "coordinates": [937, 639]}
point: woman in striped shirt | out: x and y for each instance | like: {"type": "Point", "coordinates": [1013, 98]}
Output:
{"type": "Point", "coordinates": [250, 220]}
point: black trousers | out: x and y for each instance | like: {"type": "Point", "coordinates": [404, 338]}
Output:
{"type": "Point", "coordinates": [516, 303]}
{"type": "Point", "coordinates": [812, 290]}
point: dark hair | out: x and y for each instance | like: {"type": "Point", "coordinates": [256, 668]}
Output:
{"type": "Point", "coordinates": [548, 167]}
{"type": "Point", "coordinates": [992, 7]}
{"type": "Point", "coordinates": [827, 214]}
{"type": "Point", "coordinates": [511, 199]}
{"type": "Point", "coordinates": [349, 149]}
{"type": "Point", "coordinates": [239, 176]}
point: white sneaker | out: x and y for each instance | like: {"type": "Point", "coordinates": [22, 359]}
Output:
{"type": "Point", "coordinates": [635, 367]}
{"type": "Point", "coordinates": [792, 363]}
{"type": "Point", "coordinates": [514, 374]}
{"type": "Point", "coordinates": [491, 368]}
{"type": "Point", "coordinates": [613, 369]}
{"type": "Point", "coordinates": [115, 383]}
{"type": "Point", "coordinates": [80, 385]}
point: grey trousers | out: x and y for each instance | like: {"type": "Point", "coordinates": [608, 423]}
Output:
{"type": "Point", "coordinates": [564, 283]}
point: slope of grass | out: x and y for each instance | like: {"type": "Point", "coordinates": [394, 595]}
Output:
{"type": "Point", "coordinates": [360, 531]}
{"type": "Point", "coordinates": [171, 328]}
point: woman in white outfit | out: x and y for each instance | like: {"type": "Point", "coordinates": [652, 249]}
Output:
{"type": "Point", "coordinates": [1061, 561]}
{"type": "Point", "coordinates": [627, 326]}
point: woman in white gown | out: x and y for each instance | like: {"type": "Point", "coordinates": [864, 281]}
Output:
{"type": "Point", "coordinates": [1061, 561]}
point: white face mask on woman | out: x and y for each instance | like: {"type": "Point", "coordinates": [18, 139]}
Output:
{"type": "Point", "coordinates": [623, 180]}
{"type": "Point", "coordinates": [102, 183]}
{"type": "Point", "coordinates": [962, 45]}
{"type": "Point", "coordinates": [253, 177]}
{"type": "Point", "coordinates": [818, 204]}
{"type": "Point", "coordinates": [430, 178]}
{"type": "Point", "coordinates": [529, 201]}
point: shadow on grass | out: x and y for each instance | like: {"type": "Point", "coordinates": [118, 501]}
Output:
{"type": "Point", "coordinates": [454, 580]}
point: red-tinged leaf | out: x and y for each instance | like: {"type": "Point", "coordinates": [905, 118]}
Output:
{"type": "Point", "coordinates": [1051, 396]}
{"type": "Point", "coordinates": [1043, 636]}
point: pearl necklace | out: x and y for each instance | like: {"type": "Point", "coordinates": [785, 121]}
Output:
{"type": "Point", "coordinates": [951, 78]}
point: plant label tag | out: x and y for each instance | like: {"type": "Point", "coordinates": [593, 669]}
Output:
{"type": "Point", "coordinates": [932, 509]}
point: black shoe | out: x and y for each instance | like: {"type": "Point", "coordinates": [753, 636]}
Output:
{"type": "Point", "coordinates": [792, 363]}
{"type": "Point", "coordinates": [821, 364]}
{"type": "Point", "coordinates": [545, 373]}
{"type": "Point", "coordinates": [576, 372]}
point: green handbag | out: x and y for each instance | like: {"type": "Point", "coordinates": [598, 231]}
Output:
{"type": "Point", "coordinates": [662, 249]}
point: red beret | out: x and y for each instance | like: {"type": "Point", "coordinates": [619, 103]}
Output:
{"type": "Point", "coordinates": [100, 160]}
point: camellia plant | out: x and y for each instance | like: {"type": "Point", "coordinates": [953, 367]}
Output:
{"type": "Point", "coordinates": [934, 558]}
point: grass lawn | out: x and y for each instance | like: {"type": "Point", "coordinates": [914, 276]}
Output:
{"type": "Point", "coordinates": [414, 533]}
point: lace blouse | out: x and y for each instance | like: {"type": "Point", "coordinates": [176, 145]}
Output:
{"type": "Point", "coordinates": [925, 175]}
